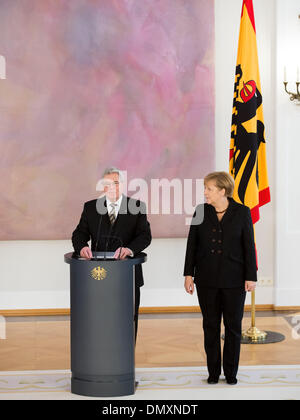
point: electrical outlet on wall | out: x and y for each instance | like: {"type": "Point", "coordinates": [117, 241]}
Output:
{"type": "Point", "coordinates": [265, 282]}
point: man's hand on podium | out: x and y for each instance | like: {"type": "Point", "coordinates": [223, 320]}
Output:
{"type": "Point", "coordinates": [86, 253]}
{"type": "Point", "coordinates": [122, 253]}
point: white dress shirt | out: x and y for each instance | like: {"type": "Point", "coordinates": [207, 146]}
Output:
{"type": "Point", "coordinates": [116, 205]}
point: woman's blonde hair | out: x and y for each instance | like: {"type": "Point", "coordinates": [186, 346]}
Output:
{"type": "Point", "coordinates": [222, 180]}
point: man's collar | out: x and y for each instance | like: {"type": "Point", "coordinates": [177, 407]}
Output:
{"type": "Point", "coordinates": [118, 202]}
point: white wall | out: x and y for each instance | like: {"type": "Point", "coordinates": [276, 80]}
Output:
{"type": "Point", "coordinates": [287, 252]}
{"type": "Point", "coordinates": [33, 274]}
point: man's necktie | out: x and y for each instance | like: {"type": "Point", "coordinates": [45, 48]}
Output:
{"type": "Point", "coordinates": [112, 213]}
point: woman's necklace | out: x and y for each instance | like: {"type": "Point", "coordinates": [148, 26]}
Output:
{"type": "Point", "coordinates": [220, 212]}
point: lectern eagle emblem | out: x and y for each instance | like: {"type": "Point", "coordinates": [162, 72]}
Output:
{"type": "Point", "coordinates": [98, 273]}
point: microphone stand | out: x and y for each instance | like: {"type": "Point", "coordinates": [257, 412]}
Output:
{"type": "Point", "coordinates": [108, 237]}
{"type": "Point", "coordinates": [121, 243]}
{"type": "Point", "coordinates": [97, 237]}
{"type": "Point", "coordinates": [113, 237]}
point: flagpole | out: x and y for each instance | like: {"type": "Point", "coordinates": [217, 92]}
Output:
{"type": "Point", "coordinates": [253, 334]}
{"type": "Point", "coordinates": [248, 166]}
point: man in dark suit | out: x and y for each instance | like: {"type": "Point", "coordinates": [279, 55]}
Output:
{"type": "Point", "coordinates": [221, 261]}
{"type": "Point", "coordinates": [115, 223]}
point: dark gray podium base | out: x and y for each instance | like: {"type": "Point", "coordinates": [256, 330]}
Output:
{"type": "Point", "coordinates": [102, 389]}
{"type": "Point", "coordinates": [102, 326]}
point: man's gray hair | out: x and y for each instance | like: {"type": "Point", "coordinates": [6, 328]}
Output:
{"type": "Point", "coordinates": [113, 170]}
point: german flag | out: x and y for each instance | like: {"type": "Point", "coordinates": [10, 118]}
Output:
{"type": "Point", "coordinates": [248, 164]}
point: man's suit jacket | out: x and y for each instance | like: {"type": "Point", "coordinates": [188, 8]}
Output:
{"type": "Point", "coordinates": [132, 229]}
{"type": "Point", "coordinates": [222, 254]}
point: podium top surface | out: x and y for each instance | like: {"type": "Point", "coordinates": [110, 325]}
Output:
{"type": "Point", "coordinates": [72, 257]}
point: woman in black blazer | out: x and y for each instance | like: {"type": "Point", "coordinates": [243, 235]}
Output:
{"type": "Point", "coordinates": [221, 261]}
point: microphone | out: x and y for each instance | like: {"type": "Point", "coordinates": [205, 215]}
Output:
{"type": "Point", "coordinates": [112, 237]}
{"type": "Point", "coordinates": [97, 237]}
{"type": "Point", "coordinates": [108, 236]}
{"type": "Point", "coordinates": [121, 244]}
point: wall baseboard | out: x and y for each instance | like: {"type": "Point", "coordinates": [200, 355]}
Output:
{"type": "Point", "coordinates": [35, 312]}
{"type": "Point", "coordinates": [286, 308]}
{"type": "Point", "coordinates": [143, 310]}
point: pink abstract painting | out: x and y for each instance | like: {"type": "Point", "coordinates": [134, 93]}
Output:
{"type": "Point", "coordinates": [91, 84]}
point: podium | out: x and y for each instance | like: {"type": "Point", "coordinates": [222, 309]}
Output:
{"type": "Point", "coordinates": [102, 325]}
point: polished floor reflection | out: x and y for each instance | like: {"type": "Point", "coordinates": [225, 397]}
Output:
{"type": "Point", "coordinates": [43, 343]}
